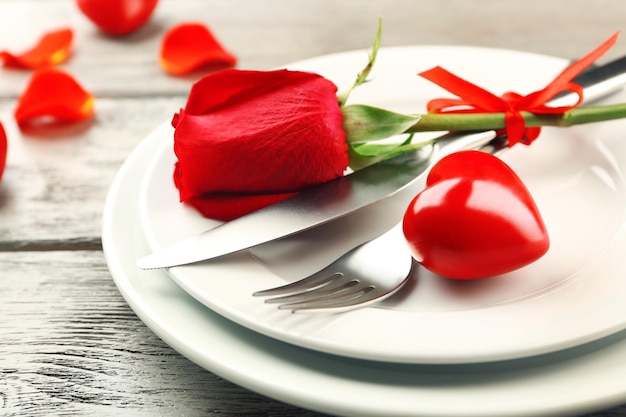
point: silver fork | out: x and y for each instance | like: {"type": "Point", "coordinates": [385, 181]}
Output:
{"type": "Point", "coordinates": [367, 274]}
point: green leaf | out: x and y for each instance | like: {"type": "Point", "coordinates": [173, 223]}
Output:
{"type": "Point", "coordinates": [377, 149]}
{"type": "Point", "coordinates": [364, 154]}
{"type": "Point", "coordinates": [358, 161]}
{"type": "Point", "coordinates": [366, 123]}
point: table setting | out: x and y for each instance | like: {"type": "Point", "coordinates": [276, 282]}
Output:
{"type": "Point", "coordinates": [89, 329]}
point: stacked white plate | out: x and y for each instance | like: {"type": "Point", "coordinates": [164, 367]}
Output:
{"type": "Point", "coordinates": [546, 340]}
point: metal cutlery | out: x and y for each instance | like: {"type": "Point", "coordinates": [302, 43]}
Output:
{"type": "Point", "coordinates": [365, 275]}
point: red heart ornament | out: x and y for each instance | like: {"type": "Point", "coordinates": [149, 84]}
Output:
{"type": "Point", "coordinates": [474, 219]}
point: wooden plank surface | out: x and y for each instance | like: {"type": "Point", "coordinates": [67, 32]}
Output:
{"type": "Point", "coordinates": [69, 344]}
{"type": "Point", "coordinates": [124, 72]}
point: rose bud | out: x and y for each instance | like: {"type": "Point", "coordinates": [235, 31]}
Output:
{"type": "Point", "coordinates": [247, 139]}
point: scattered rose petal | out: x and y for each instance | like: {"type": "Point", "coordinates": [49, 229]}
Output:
{"type": "Point", "coordinates": [190, 46]}
{"type": "Point", "coordinates": [118, 17]}
{"type": "Point", "coordinates": [3, 150]}
{"type": "Point", "coordinates": [52, 49]}
{"type": "Point", "coordinates": [53, 94]}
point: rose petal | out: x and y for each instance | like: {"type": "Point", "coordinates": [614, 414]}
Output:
{"type": "Point", "coordinates": [118, 17]}
{"type": "Point", "coordinates": [277, 132]}
{"type": "Point", "coordinates": [52, 49]}
{"type": "Point", "coordinates": [54, 94]}
{"type": "Point", "coordinates": [247, 139]}
{"type": "Point", "coordinates": [189, 46]}
{"type": "Point", "coordinates": [3, 150]}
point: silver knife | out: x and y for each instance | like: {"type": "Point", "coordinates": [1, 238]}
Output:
{"type": "Point", "coordinates": [329, 201]}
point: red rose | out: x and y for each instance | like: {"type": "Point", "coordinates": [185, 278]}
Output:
{"type": "Point", "coordinates": [247, 139]}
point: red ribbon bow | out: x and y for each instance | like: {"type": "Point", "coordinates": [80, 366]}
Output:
{"type": "Point", "coordinates": [512, 104]}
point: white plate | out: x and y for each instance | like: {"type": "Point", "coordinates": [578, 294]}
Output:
{"type": "Point", "coordinates": [571, 382]}
{"type": "Point", "coordinates": [573, 295]}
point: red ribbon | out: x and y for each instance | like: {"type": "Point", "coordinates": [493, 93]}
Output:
{"type": "Point", "coordinates": [512, 104]}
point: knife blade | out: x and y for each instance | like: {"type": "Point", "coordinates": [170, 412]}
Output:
{"type": "Point", "coordinates": [329, 201]}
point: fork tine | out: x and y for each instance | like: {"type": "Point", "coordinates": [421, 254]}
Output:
{"type": "Point", "coordinates": [366, 274]}
{"type": "Point", "coordinates": [337, 286]}
{"type": "Point", "coordinates": [367, 296]}
{"type": "Point", "coordinates": [349, 294]}
{"type": "Point", "coordinates": [310, 282]}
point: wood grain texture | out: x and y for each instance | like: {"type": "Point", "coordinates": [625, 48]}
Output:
{"type": "Point", "coordinates": [69, 344]}
{"type": "Point", "coordinates": [47, 169]}
{"type": "Point", "coordinates": [71, 167]}
{"type": "Point", "coordinates": [278, 32]}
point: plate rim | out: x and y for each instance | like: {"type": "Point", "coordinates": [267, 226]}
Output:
{"type": "Point", "coordinates": [205, 338]}
{"type": "Point", "coordinates": [583, 369]}
{"type": "Point", "coordinates": [191, 286]}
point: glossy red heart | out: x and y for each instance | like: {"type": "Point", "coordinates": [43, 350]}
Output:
{"type": "Point", "coordinates": [118, 17]}
{"type": "Point", "coordinates": [474, 219]}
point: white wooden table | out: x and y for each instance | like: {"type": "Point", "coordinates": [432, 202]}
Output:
{"type": "Point", "coordinates": [69, 344]}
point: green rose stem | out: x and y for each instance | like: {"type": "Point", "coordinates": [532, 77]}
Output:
{"type": "Point", "coordinates": [365, 126]}
{"type": "Point", "coordinates": [490, 121]}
